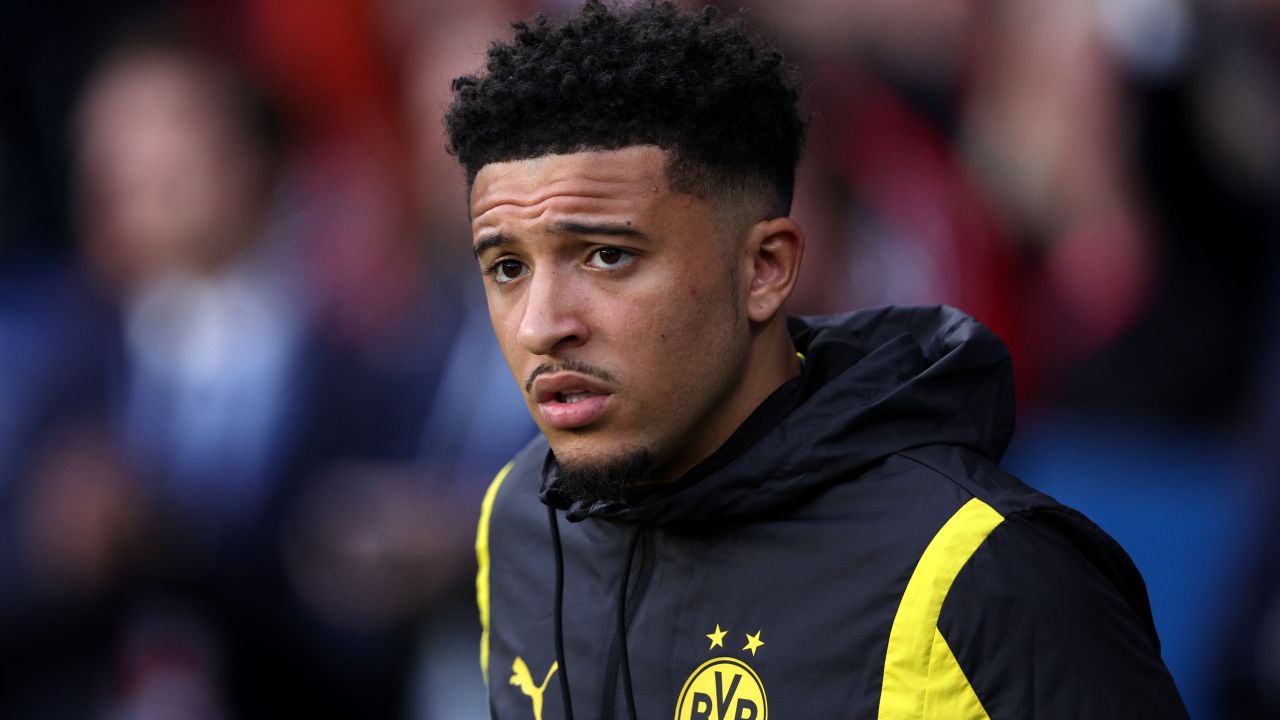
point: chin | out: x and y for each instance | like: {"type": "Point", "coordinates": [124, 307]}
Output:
{"type": "Point", "coordinates": [584, 452]}
{"type": "Point", "coordinates": [586, 448]}
{"type": "Point", "coordinates": [599, 477]}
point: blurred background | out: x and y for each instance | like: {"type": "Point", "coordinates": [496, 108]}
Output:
{"type": "Point", "coordinates": [249, 398]}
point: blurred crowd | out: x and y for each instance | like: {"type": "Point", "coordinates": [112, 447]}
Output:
{"type": "Point", "coordinates": [249, 398]}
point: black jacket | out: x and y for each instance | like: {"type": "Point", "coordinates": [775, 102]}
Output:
{"type": "Point", "coordinates": [853, 552]}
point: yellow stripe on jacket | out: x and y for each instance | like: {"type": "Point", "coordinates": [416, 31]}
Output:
{"type": "Point", "coordinates": [482, 562]}
{"type": "Point", "coordinates": [922, 678]}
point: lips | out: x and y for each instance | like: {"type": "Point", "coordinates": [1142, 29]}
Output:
{"type": "Point", "coordinates": [568, 400]}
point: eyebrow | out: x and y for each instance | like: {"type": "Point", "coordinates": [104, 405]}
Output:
{"type": "Point", "coordinates": [492, 241]}
{"type": "Point", "coordinates": [570, 228]}
{"type": "Point", "coordinates": [610, 229]}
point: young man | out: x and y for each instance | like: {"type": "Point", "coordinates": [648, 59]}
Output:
{"type": "Point", "coordinates": [728, 513]}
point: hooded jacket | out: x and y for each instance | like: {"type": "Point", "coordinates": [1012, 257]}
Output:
{"type": "Point", "coordinates": [853, 552]}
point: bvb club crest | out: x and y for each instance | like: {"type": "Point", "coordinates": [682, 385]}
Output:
{"type": "Point", "coordinates": [724, 688]}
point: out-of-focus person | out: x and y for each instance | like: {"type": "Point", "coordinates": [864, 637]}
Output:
{"type": "Point", "coordinates": [174, 501]}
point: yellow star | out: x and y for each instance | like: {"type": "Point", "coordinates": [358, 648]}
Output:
{"type": "Point", "coordinates": [717, 637]}
{"type": "Point", "coordinates": [753, 643]}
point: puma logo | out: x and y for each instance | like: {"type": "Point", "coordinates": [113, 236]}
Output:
{"type": "Point", "coordinates": [521, 678]}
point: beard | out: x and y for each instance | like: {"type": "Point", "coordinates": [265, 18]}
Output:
{"type": "Point", "coordinates": [605, 480]}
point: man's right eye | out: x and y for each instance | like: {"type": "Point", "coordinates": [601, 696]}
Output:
{"type": "Point", "coordinates": [504, 271]}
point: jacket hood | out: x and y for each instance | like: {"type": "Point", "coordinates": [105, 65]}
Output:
{"type": "Point", "coordinates": [887, 380]}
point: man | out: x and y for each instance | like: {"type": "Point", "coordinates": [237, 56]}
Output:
{"type": "Point", "coordinates": [742, 514]}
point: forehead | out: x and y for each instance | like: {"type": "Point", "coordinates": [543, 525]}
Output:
{"type": "Point", "coordinates": [631, 178]}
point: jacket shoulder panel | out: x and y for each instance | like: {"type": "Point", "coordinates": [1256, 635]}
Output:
{"type": "Point", "coordinates": [1050, 618]}
{"type": "Point", "coordinates": [1038, 605]}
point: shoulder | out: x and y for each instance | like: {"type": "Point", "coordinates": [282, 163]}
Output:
{"type": "Point", "coordinates": [1050, 618]}
{"type": "Point", "coordinates": [1047, 566]}
{"type": "Point", "coordinates": [1044, 613]}
{"type": "Point", "coordinates": [1021, 535]}
{"type": "Point", "coordinates": [1013, 544]}
{"type": "Point", "coordinates": [1018, 606]}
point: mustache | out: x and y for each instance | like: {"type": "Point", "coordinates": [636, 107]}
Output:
{"type": "Point", "coordinates": [576, 366]}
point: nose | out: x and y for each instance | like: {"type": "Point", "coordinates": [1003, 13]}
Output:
{"type": "Point", "coordinates": [553, 318]}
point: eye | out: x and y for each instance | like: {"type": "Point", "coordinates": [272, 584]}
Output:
{"type": "Point", "coordinates": [609, 257]}
{"type": "Point", "coordinates": [507, 270]}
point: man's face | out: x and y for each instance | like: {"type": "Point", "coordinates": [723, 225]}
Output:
{"type": "Point", "coordinates": [617, 305]}
{"type": "Point", "coordinates": [169, 180]}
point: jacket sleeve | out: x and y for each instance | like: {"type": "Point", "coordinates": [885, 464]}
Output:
{"type": "Point", "coordinates": [1049, 618]}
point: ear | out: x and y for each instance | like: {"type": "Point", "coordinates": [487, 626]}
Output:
{"type": "Point", "coordinates": [772, 259]}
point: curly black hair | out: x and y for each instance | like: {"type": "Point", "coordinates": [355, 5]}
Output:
{"type": "Point", "coordinates": [712, 93]}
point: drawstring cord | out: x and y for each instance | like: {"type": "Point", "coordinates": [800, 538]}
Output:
{"type": "Point", "coordinates": [564, 671]}
{"type": "Point", "coordinates": [628, 693]}
{"type": "Point", "coordinates": [622, 628]}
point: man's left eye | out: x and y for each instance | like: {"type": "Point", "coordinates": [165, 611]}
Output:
{"type": "Point", "coordinates": [608, 257]}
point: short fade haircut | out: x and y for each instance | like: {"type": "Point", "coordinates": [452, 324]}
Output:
{"type": "Point", "coordinates": [713, 94]}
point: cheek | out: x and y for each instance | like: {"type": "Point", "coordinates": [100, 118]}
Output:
{"type": "Point", "coordinates": [505, 323]}
{"type": "Point", "coordinates": [683, 329]}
